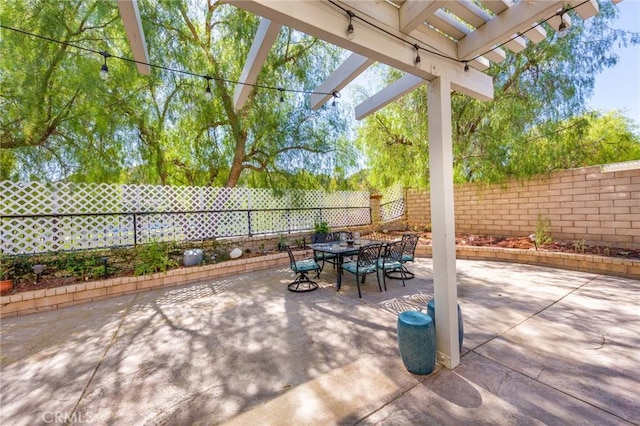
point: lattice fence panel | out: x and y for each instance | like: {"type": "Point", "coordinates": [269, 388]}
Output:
{"type": "Point", "coordinates": [337, 218]}
{"type": "Point", "coordinates": [392, 204]}
{"type": "Point", "coordinates": [39, 217]}
{"type": "Point", "coordinates": [57, 233]}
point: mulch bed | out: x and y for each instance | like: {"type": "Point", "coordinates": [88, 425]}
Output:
{"type": "Point", "coordinates": [425, 239]}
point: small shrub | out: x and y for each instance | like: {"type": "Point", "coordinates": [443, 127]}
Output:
{"type": "Point", "coordinates": [7, 267]}
{"type": "Point", "coordinates": [542, 236]}
{"type": "Point", "coordinates": [153, 257]}
{"type": "Point", "coordinates": [579, 246]}
{"type": "Point", "coordinates": [321, 227]}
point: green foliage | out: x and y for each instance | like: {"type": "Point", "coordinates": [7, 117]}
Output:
{"type": "Point", "coordinates": [153, 257]}
{"type": "Point", "coordinates": [579, 246]}
{"type": "Point", "coordinates": [63, 122]}
{"type": "Point", "coordinates": [542, 237]}
{"type": "Point", "coordinates": [7, 267]}
{"type": "Point", "coordinates": [81, 265]}
{"type": "Point", "coordinates": [536, 123]}
{"type": "Point", "coordinates": [321, 227]}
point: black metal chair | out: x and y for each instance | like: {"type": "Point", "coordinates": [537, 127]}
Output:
{"type": "Point", "coordinates": [410, 242]}
{"type": "Point", "coordinates": [301, 268]}
{"type": "Point", "coordinates": [391, 261]}
{"type": "Point", "coordinates": [366, 263]}
{"type": "Point", "coordinates": [323, 257]}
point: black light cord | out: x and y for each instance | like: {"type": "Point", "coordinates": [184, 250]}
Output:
{"type": "Point", "coordinates": [104, 54]}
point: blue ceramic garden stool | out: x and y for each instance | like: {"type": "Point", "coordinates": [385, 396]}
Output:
{"type": "Point", "coordinates": [431, 310]}
{"type": "Point", "coordinates": [417, 342]}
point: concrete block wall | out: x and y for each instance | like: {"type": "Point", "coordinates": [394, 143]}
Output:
{"type": "Point", "coordinates": [581, 204]}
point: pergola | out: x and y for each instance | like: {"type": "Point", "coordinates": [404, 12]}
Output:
{"type": "Point", "coordinates": [446, 44]}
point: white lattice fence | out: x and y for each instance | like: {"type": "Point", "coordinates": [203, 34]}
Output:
{"type": "Point", "coordinates": [38, 217]}
{"type": "Point", "coordinates": [392, 204]}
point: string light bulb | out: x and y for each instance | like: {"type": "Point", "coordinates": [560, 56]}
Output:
{"type": "Point", "coordinates": [417, 61]}
{"type": "Point", "coordinates": [207, 91]}
{"type": "Point", "coordinates": [335, 95]}
{"type": "Point", "coordinates": [466, 67]}
{"type": "Point", "coordinates": [281, 94]}
{"type": "Point", "coordinates": [350, 32]}
{"type": "Point", "coordinates": [104, 70]}
{"type": "Point", "coordinates": [563, 28]}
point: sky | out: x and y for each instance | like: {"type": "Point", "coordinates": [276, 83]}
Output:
{"type": "Point", "coordinates": [618, 88]}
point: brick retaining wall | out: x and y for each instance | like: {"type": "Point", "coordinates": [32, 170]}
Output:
{"type": "Point", "coordinates": [41, 300]}
{"type": "Point", "coordinates": [582, 204]}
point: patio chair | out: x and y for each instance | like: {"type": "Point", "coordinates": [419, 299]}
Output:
{"type": "Point", "coordinates": [391, 261]}
{"type": "Point", "coordinates": [301, 268]}
{"type": "Point", "coordinates": [321, 256]}
{"type": "Point", "coordinates": [366, 263]}
{"type": "Point", "coordinates": [410, 242]}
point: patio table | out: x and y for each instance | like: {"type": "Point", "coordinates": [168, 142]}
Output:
{"type": "Point", "coordinates": [340, 250]}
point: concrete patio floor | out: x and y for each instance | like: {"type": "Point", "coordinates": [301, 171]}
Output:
{"type": "Point", "coordinates": [541, 346]}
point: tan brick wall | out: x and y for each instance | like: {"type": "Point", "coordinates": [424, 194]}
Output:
{"type": "Point", "coordinates": [582, 204]}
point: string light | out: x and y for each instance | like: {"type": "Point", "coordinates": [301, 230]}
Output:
{"type": "Point", "coordinates": [350, 32]}
{"type": "Point", "coordinates": [104, 70]}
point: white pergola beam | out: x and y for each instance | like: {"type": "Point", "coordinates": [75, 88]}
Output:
{"type": "Point", "coordinates": [262, 42]}
{"type": "Point", "coordinates": [327, 22]}
{"type": "Point", "coordinates": [395, 90]}
{"type": "Point", "coordinates": [133, 26]}
{"type": "Point", "coordinates": [496, 54]}
{"type": "Point", "coordinates": [448, 47]}
{"type": "Point", "coordinates": [413, 13]}
{"type": "Point", "coordinates": [388, 16]}
{"type": "Point", "coordinates": [513, 20]}
{"type": "Point", "coordinates": [351, 68]}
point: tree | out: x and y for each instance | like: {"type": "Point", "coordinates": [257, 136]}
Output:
{"type": "Point", "coordinates": [162, 128]}
{"type": "Point", "coordinates": [538, 92]}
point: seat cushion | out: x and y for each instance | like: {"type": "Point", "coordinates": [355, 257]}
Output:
{"type": "Point", "coordinates": [407, 258]}
{"type": "Point", "coordinates": [353, 268]}
{"type": "Point", "coordinates": [388, 264]}
{"type": "Point", "coordinates": [306, 265]}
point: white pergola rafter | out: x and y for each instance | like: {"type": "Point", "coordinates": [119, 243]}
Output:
{"type": "Point", "coordinates": [413, 13]}
{"type": "Point", "coordinates": [395, 90]}
{"type": "Point", "coordinates": [133, 26]}
{"type": "Point", "coordinates": [351, 68]}
{"type": "Point", "coordinates": [265, 37]}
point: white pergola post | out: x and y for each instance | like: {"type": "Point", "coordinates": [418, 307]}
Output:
{"type": "Point", "coordinates": [443, 221]}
